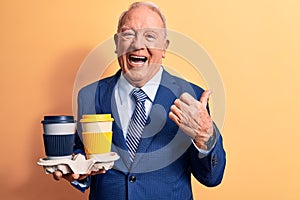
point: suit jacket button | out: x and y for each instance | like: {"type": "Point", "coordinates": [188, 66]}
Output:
{"type": "Point", "coordinates": [132, 179]}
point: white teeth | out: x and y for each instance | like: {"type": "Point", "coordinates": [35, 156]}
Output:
{"type": "Point", "coordinates": [138, 57]}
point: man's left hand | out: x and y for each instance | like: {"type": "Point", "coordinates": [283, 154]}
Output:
{"type": "Point", "coordinates": [192, 117]}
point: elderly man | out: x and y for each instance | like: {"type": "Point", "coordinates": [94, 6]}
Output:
{"type": "Point", "coordinates": [162, 129]}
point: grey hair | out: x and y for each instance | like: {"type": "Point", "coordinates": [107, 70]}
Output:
{"type": "Point", "coordinates": [150, 5]}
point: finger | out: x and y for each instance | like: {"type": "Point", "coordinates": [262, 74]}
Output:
{"type": "Point", "coordinates": [75, 176]}
{"type": "Point", "coordinates": [182, 106]}
{"type": "Point", "coordinates": [187, 98]}
{"type": "Point", "coordinates": [57, 175]}
{"type": "Point", "coordinates": [174, 118]}
{"type": "Point", "coordinates": [204, 97]}
{"type": "Point", "coordinates": [83, 176]}
{"type": "Point", "coordinates": [175, 110]}
{"type": "Point", "coordinates": [100, 171]}
{"type": "Point", "coordinates": [177, 103]}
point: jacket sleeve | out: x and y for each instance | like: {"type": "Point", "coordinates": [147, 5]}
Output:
{"type": "Point", "coordinates": [81, 185]}
{"type": "Point", "coordinates": [78, 145]}
{"type": "Point", "coordinates": [85, 105]}
{"type": "Point", "coordinates": [209, 170]}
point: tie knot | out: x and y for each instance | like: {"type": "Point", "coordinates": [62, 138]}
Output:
{"type": "Point", "coordinates": [139, 95]}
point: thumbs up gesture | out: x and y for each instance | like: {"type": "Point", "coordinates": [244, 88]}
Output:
{"type": "Point", "coordinates": [192, 118]}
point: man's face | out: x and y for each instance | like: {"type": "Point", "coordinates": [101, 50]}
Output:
{"type": "Point", "coordinates": [141, 44]}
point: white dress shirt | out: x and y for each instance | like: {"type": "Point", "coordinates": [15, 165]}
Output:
{"type": "Point", "coordinates": [126, 103]}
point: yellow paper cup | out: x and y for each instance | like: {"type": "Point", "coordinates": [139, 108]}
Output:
{"type": "Point", "coordinates": [97, 143]}
{"type": "Point", "coordinates": [97, 123]}
{"type": "Point", "coordinates": [96, 133]}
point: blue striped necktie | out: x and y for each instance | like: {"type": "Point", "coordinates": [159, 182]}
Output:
{"type": "Point", "coordinates": [137, 123]}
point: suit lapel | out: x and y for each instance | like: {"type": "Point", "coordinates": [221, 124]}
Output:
{"type": "Point", "coordinates": [105, 103]}
{"type": "Point", "coordinates": [158, 117]}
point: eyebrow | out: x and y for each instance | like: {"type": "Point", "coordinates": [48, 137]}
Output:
{"type": "Point", "coordinates": [125, 28]}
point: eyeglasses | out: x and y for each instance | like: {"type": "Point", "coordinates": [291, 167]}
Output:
{"type": "Point", "coordinates": [149, 35]}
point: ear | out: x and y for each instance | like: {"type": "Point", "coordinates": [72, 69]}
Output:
{"type": "Point", "coordinates": [167, 42]}
{"type": "Point", "coordinates": [116, 39]}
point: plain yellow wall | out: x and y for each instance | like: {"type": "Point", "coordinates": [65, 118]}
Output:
{"type": "Point", "coordinates": [254, 44]}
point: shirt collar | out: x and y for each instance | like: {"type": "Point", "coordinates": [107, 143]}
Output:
{"type": "Point", "coordinates": [150, 88]}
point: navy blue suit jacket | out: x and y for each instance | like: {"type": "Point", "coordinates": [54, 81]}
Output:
{"type": "Point", "coordinates": [165, 158]}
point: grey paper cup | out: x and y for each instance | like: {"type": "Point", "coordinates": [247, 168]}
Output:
{"type": "Point", "coordinates": [59, 134]}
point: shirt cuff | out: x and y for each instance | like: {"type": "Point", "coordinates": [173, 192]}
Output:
{"type": "Point", "coordinates": [82, 185]}
{"type": "Point", "coordinates": [202, 152]}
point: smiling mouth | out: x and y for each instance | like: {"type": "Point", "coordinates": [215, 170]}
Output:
{"type": "Point", "coordinates": [137, 59]}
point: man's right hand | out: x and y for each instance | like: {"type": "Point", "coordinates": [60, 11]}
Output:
{"type": "Point", "coordinates": [58, 175]}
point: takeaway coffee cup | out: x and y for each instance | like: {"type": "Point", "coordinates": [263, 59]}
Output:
{"type": "Point", "coordinates": [59, 133]}
{"type": "Point", "coordinates": [96, 133]}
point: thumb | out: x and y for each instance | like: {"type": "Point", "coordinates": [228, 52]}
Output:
{"type": "Point", "coordinates": [204, 97]}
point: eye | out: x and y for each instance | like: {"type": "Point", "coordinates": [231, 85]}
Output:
{"type": "Point", "coordinates": [128, 34]}
{"type": "Point", "coordinates": [150, 36]}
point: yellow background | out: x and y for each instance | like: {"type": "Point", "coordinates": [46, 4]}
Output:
{"type": "Point", "coordinates": [254, 44]}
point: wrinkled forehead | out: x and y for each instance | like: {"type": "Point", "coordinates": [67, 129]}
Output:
{"type": "Point", "coordinates": [126, 29]}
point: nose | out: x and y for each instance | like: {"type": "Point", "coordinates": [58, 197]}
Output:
{"type": "Point", "coordinates": [138, 43]}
